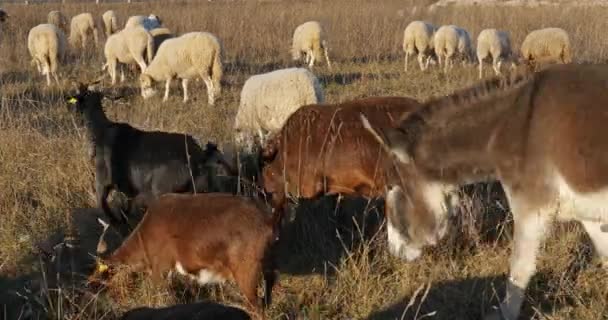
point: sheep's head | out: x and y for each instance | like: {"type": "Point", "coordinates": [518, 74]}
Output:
{"type": "Point", "coordinates": [146, 82]}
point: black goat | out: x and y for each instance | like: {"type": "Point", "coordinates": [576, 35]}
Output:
{"type": "Point", "coordinates": [142, 164]}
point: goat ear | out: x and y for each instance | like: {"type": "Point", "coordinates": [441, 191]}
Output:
{"type": "Point", "coordinates": [393, 140]}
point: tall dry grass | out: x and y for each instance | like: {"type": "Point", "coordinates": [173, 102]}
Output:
{"type": "Point", "coordinates": [327, 271]}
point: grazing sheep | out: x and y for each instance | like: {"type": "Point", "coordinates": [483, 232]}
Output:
{"type": "Point", "coordinates": [309, 38]}
{"type": "Point", "coordinates": [418, 39]}
{"type": "Point", "coordinates": [58, 19]}
{"type": "Point", "coordinates": [185, 57]}
{"type": "Point", "coordinates": [144, 164]}
{"type": "Point", "coordinates": [80, 27]}
{"type": "Point", "coordinates": [110, 22]}
{"type": "Point", "coordinates": [47, 46]}
{"type": "Point", "coordinates": [494, 43]}
{"type": "Point", "coordinates": [547, 45]}
{"type": "Point", "coordinates": [210, 237]}
{"type": "Point", "coordinates": [128, 46]}
{"type": "Point", "coordinates": [451, 41]}
{"type": "Point", "coordinates": [150, 22]}
{"type": "Point", "coordinates": [268, 99]}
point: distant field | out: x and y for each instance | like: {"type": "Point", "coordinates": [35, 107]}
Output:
{"type": "Point", "coordinates": [44, 171]}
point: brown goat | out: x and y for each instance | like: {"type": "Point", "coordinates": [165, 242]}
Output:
{"type": "Point", "coordinates": [211, 237]}
{"type": "Point", "coordinates": [324, 149]}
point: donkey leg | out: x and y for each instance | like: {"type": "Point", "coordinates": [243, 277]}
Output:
{"type": "Point", "coordinates": [599, 239]}
{"type": "Point", "coordinates": [530, 228]}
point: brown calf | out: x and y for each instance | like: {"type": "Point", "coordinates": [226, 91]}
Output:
{"type": "Point", "coordinates": [211, 237]}
{"type": "Point", "coordinates": [541, 134]}
{"type": "Point", "coordinates": [324, 149]}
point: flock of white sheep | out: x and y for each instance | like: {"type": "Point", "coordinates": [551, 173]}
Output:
{"type": "Point", "coordinates": [267, 99]}
{"type": "Point", "coordinates": [160, 55]}
{"type": "Point", "coordinates": [450, 42]}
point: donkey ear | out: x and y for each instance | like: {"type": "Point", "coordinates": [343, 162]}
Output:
{"type": "Point", "coordinates": [393, 140]}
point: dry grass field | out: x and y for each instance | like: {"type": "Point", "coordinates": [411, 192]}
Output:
{"type": "Point", "coordinates": [327, 270]}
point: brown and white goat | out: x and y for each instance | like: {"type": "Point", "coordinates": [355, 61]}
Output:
{"type": "Point", "coordinates": [212, 237]}
{"type": "Point", "coordinates": [542, 135]}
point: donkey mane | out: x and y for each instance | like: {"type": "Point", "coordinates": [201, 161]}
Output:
{"type": "Point", "coordinates": [471, 97]}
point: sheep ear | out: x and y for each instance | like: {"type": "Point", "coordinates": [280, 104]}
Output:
{"type": "Point", "coordinates": [393, 140]}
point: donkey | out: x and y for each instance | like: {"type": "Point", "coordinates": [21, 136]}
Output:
{"type": "Point", "coordinates": [540, 134]}
{"type": "Point", "coordinates": [142, 164]}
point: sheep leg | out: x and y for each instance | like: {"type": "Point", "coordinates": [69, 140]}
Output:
{"type": "Point", "coordinates": [327, 58]}
{"type": "Point", "coordinates": [56, 78]}
{"type": "Point", "coordinates": [407, 55]}
{"type": "Point", "coordinates": [167, 86]}
{"type": "Point", "coordinates": [122, 73]}
{"type": "Point", "coordinates": [421, 61]}
{"type": "Point", "coordinates": [185, 87]}
{"type": "Point", "coordinates": [142, 65]}
{"type": "Point", "coordinates": [480, 67]}
{"type": "Point", "coordinates": [312, 61]}
{"type": "Point", "coordinates": [210, 90]}
{"type": "Point", "coordinates": [48, 79]}
{"type": "Point", "coordinates": [112, 70]}
{"type": "Point", "coordinates": [497, 64]}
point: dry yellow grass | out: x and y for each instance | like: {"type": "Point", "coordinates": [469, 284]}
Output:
{"type": "Point", "coordinates": [44, 172]}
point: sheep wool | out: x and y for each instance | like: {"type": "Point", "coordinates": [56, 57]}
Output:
{"type": "Point", "coordinates": [188, 56]}
{"type": "Point", "coordinates": [268, 99]}
{"type": "Point", "coordinates": [47, 46]}
{"type": "Point", "coordinates": [451, 42]}
{"type": "Point", "coordinates": [128, 46]}
{"type": "Point", "coordinates": [80, 27]}
{"type": "Point", "coordinates": [58, 19]}
{"type": "Point", "coordinates": [547, 45]}
{"type": "Point", "coordinates": [110, 22]}
{"type": "Point", "coordinates": [309, 38]}
{"type": "Point", "coordinates": [418, 39]}
{"type": "Point", "coordinates": [150, 22]}
{"type": "Point", "coordinates": [495, 44]}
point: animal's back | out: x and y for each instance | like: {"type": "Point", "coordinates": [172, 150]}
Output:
{"type": "Point", "coordinates": [171, 165]}
{"type": "Point", "coordinates": [328, 142]}
{"type": "Point", "coordinates": [43, 39]}
{"type": "Point", "coordinates": [186, 54]}
{"type": "Point", "coordinates": [195, 224]}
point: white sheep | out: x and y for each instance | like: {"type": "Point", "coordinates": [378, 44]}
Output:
{"type": "Point", "coordinates": [450, 42]}
{"type": "Point", "coordinates": [128, 46]}
{"type": "Point", "coordinates": [58, 19]}
{"type": "Point", "coordinates": [418, 39]}
{"type": "Point", "coordinates": [150, 22]}
{"type": "Point", "coordinates": [188, 56]}
{"type": "Point", "coordinates": [547, 45]}
{"type": "Point", "coordinates": [47, 46]}
{"type": "Point", "coordinates": [110, 22]}
{"type": "Point", "coordinates": [309, 38]}
{"type": "Point", "coordinates": [268, 99]}
{"type": "Point", "coordinates": [80, 28]}
{"type": "Point", "coordinates": [496, 44]}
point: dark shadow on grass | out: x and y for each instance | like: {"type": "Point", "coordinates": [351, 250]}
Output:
{"type": "Point", "coordinates": [191, 311]}
{"type": "Point", "coordinates": [323, 230]}
{"type": "Point", "coordinates": [465, 299]}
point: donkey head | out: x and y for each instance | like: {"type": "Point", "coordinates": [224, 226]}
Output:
{"type": "Point", "coordinates": [417, 208]}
